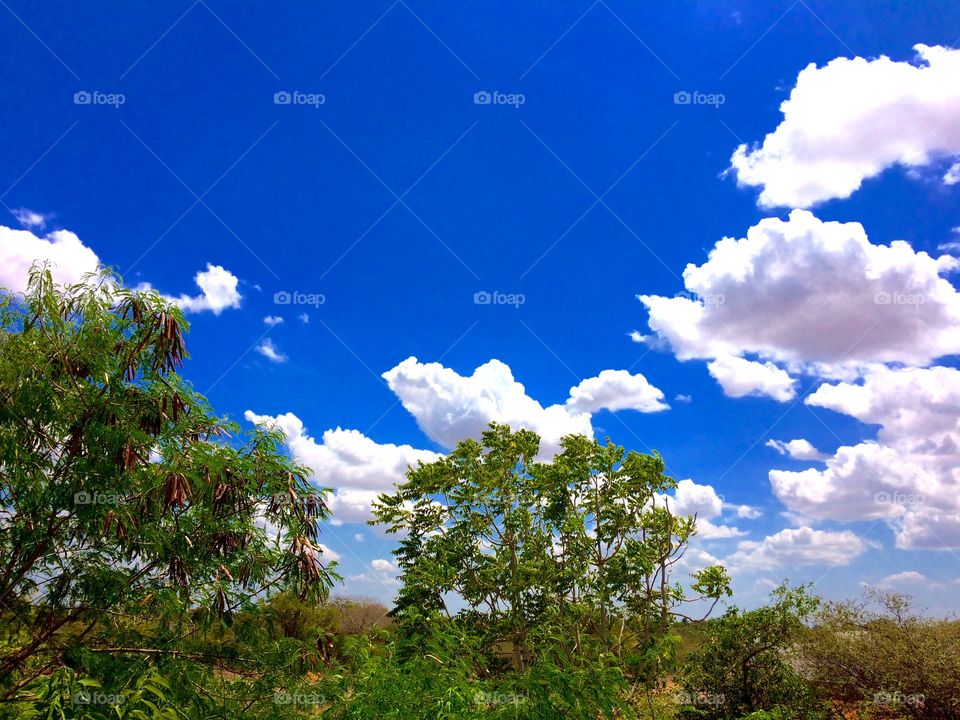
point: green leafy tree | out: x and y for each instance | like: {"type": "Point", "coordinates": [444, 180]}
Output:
{"type": "Point", "coordinates": [131, 515]}
{"type": "Point", "coordinates": [573, 556]}
{"type": "Point", "coordinates": [616, 545]}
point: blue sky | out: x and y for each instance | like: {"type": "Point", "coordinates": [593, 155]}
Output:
{"type": "Point", "coordinates": [385, 187]}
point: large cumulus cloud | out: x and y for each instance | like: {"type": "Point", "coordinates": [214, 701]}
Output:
{"type": "Point", "coordinates": [450, 407]}
{"type": "Point", "coordinates": [852, 119]}
{"type": "Point", "coordinates": [808, 293]}
{"type": "Point", "coordinates": [908, 477]}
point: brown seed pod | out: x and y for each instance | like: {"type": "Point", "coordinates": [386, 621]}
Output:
{"type": "Point", "coordinates": [176, 490]}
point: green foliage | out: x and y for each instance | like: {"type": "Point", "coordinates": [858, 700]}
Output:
{"type": "Point", "coordinates": [64, 696]}
{"type": "Point", "coordinates": [888, 661]}
{"type": "Point", "coordinates": [134, 519]}
{"type": "Point", "coordinates": [435, 683]}
{"type": "Point", "coordinates": [448, 680]}
{"type": "Point", "coordinates": [745, 664]}
{"type": "Point", "coordinates": [564, 569]}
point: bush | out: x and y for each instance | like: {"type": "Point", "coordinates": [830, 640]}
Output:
{"type": "Point", "coordinates": [745, 664]}
{"type": "Point", "coordinates": [893, 660]}
{"type": "Point", "coordinates": [450, 676]}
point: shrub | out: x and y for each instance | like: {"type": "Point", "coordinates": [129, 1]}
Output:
{"type": "Point", "coordinates": [891, 659]}
{"type": "Point", "coordinates": [745, 664]}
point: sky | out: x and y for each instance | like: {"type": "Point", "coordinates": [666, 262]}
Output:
{"type": "Point", "coordinates": [726, 231]}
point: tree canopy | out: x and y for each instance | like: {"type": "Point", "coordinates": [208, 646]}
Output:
{"type": "Point", "coordinates": [123, 495]}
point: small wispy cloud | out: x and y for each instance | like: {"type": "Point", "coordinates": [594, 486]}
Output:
{"type": "Point", "coordinates": [270, 351]}
{"type": "Point", "coordinates": [952, 245]}
{"type": "Point", "coordinates": [31, 219]}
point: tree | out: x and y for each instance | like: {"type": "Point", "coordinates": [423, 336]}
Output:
{"type": "Point", "coordinates": [125, 500]}
{"type": "Point", "coordinates": [617, 543]}
{"type": "Point", "coordinates": [574, 555]}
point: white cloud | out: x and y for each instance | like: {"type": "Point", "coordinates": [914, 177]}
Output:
{"type": "Point", "coordinates": [356, 466]}
{"type": "Point", "coordinates": [616, 390]}
{"type": "Point", "coordinates": [696, 558]}
{"type": "Point", "coordinates": [928, 528]}
{"type": "Point", "coordinates": [304, 318]}
{"type": "Point", "coordinates": [358, 537]}
{"type": "Point", "coordinates": [683, 398]}
{"type": "Point", "coordinates": [378, 586]}
{"type": "Point", "coordinates": [910, 578]}
{"type": "Point", "coordinates": [270, 351]}
{"type": "Point", "coordinates": [793, 547]}
{"type": "Point", "coordinates": [799, 449]}
{"type": "Point", "coordinates": [952, 176]}
{"type": "Point", "coordinates": [707, 530]}
{"type": "Point", "coordinates": [909, 476]}
{"type": "Point", "coordinates": [689, 498]}
{"type": "Point", "coordinates": [346, 458]}
{"type": "Point", "coordinates": [748, 512]}
{"type": "Point", "coordinates": [739, 377]}
{"type": "Point", "coordinates": [218, 292]}
{"type": "Point", "coordinates": [850, 485]}
{"type": "Point", "coordinates": [765, 584]}
{"type": "Point", "coordinates": [952, 246]}
{"type": "Point", "coordinates": [327, 554]}
{"type": "Point", "coordinates": [384, 566]}
{"type": "Point", "coordinates": [852, 119]}
{"type": "Point", "coordinates": [69, 258]}
{"type": "Point", "coordinates": [351, 506]}
{"type": "Point", "coordinates": [812, 294]}
{"type": "Point", "coordinates": [31, 219]}
{"type": "Point", "coordinates": [449, 407]}
{"type": "Point", "coordinates": [272, 320]}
